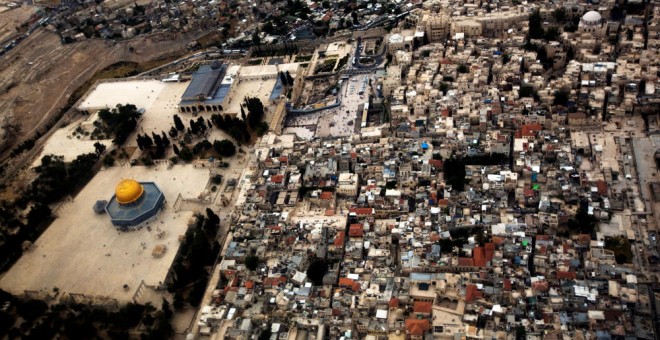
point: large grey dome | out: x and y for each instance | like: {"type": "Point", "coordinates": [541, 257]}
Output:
{"type": "Point", "coordinates": [591, 17]}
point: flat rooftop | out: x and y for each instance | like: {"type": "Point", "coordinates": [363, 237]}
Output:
{"type": "Point", "coordinates": [82, 252]}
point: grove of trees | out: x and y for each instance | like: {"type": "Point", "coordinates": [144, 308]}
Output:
{"type": "Point", "coordinates": [119, 122]}
{"type": "Point", "coordinates": [198, 250]}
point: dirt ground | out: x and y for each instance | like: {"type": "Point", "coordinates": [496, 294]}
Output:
{"type": "Point", "coordinates": [40, 74]}
{"type": "Point", "coordinates": [12, 18]}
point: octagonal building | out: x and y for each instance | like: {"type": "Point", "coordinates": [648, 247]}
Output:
{"type": "Point", "coordinates": [133, 203]}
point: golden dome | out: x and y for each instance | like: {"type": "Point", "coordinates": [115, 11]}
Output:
{"type": "Point", "coordinates": [128, 191]}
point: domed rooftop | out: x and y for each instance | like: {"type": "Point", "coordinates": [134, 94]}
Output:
{"type": "Point", "coordinates": [128, 191]}
{"type": "Point", "coordinates": [592, 17]}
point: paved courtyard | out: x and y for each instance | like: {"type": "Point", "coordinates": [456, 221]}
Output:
{"type": "Point", "coordinates": [82, 252]}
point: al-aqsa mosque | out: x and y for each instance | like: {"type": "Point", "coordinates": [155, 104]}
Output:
{"type": "Point", "coordinates": [133, 203]}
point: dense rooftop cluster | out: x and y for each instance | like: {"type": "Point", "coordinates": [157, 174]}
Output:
{"type": "Point", "coordinates": [508, 192]}
{"type": "Point", "coordinates": [496, 179]}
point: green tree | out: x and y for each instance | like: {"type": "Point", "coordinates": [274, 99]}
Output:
{"type": "Point", "coordinates": [185, 154]}
{"type": "Point", "coordinates": [173, 132]}
{"type": "Point", "coordinates": [536, 26]}
{"type": "Point", "coordinates": [317, 270]}
{"type": "Point", "coordinates": [561, 98]}
{"type": "Point", "coordinates": [526, 91]}
{"type": "Point", "coordinates": [108, 161]}
{"type": "Point", "coordinates": [167, 310]}
{"type": "Point", "coordinates": [252, 262]}
{"type": "Point", "coordinates": [521, 333]}
{"type": "Point", "coordinates": [224, 148]}
{"type": "Point", "coordinates": [256, 111]}
{"type": "Point", "coordinates": [559, 15]}
{"type": "Point", "coordinates": [552, 34]}
{"type": "Point", "coordinates": [261, 129]}
{"type": "Point", "coordinates": [39, 214]}
{"type": "Point", "coordinates": [120, 121]}
{"type": "Point", "coordinates": [178, 124]}
{"type": "Point", "coordinates": [255, 38]}
{"type": "Point", "coordinates": [99, 148]}
{"type": "Point", "coordinates": [32, 309]}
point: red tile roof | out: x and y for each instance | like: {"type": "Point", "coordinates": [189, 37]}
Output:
{"type": "Point", "coordinates": [339, 239]}
{"type": "Point", "coordinates": [423, 307]}
{"type": "Point", "coordinates": [507, 284]}
{"type": "Point", "coordinates": [349, 283]}
{"type": "Point", "coordinates": [329, 212]}
{"type": "Point", "coordinates": [436, 163]}
{"type": "Point", "coordinates": [540, 286]}
{"type": "Point", "coordinates": [362, 211]}
{"type": "Point", "coordinates": [249, 284]}
{"type": "Point", "coordinates": [326, 195]}
{"type": "Point", "coordinates": [529, 193]}
{"type": "Point", "coordinates": [443, 202]}
{"type": "Point", "coordinates": [356, 230]}
{"type": "Point", "coordinates": [499, 239]}
{"type": "Point", "coordinates": [417, 327]}
{"type": "Point", "coordinates": [472, 293]}
{"type": "Point", "coordinates": [490, 251]}
{"type": "Point", "coordinates": [479, 256]}
{"type": "Point", "coordinates": [274, 281]}
{"type": "Point", "coordinates": [394, 302]}
{"type": "Point", "coordinates": [465, 261]}
{"type": "Point", "coordinates": [562, 275]}
{"type": "Point", "coordinates": [530, 130]}
{"type": "Point", "coordinates": [277, 178]}
{"type": "Point", "coordinates": [602, 188]}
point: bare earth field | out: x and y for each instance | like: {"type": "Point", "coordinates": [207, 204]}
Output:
{"type": "Point", "coordinates": [40, 74]}
{"type": "Point", "coordinates": [12, 18]}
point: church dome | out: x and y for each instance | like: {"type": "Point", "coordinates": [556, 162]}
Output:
{"type": "Point", "coordinates": [592, 17]}
{"type": "Point", "coordinates": [128, 191]}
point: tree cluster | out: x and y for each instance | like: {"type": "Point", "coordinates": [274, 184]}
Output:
{"type": "Point", "coordinates": [157, 141]}
{"type": "Point", "coordinates": [198, 250]}
{"type": "Point", "coordinates": [233, 126]}
{"type": "Point", "coordinates": [252, 262]}
{"type": "Point", "coordinates": [79, 321]}
{"type": "Point", "coordinates": [224, 148]}
{"type": "Point", "coordinates": [561, 98]}
{"type": "Point", "coordinates": [119, 122]}
{"type": "Point", "coordinates": [255, 111]}
{"type": "Point", "coordinates": [286, 78]}
{"type": "Point", "coordinates": [197, 127]}
{"type": "Point", "coordinates": [57, 179]}
{"type": "Point", "coordinates": [317, 270]}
